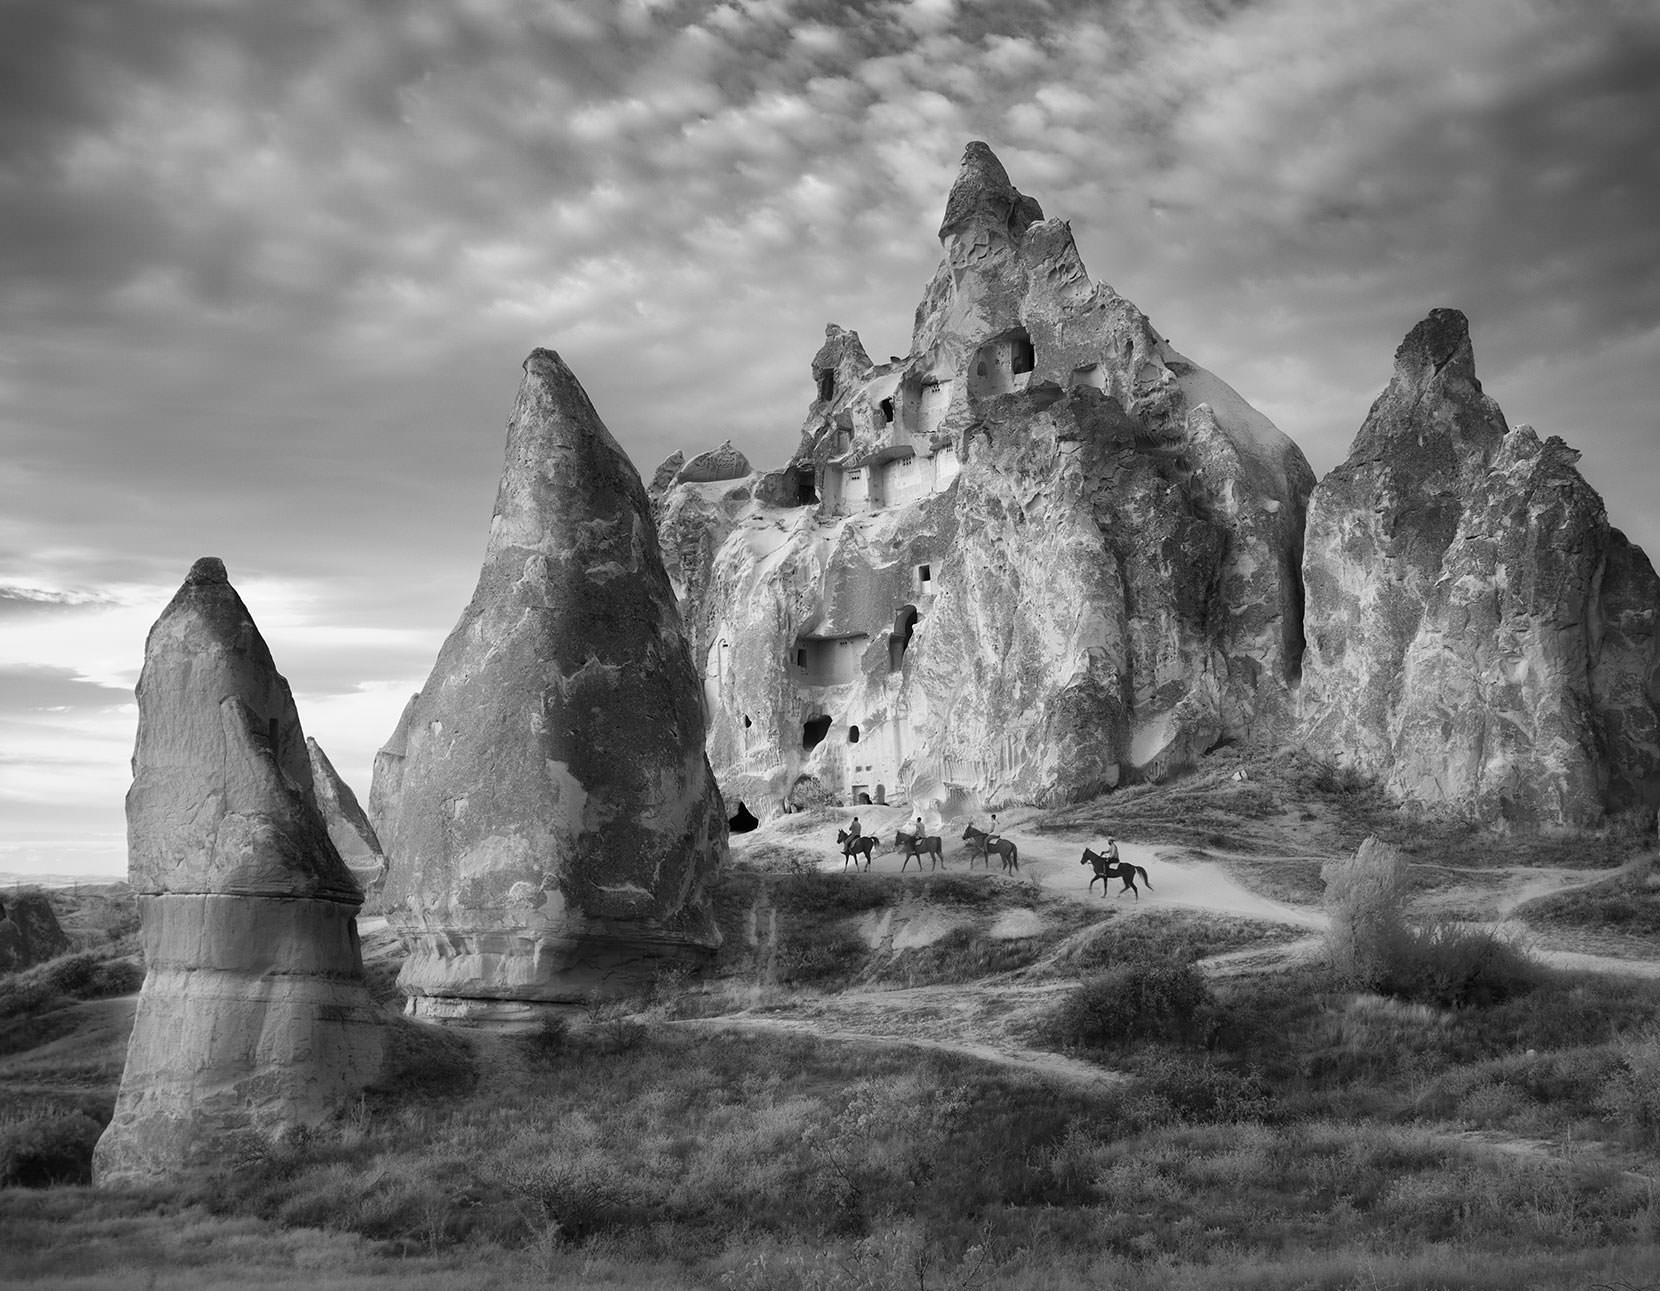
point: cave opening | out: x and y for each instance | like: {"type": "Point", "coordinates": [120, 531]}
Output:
{"type": "Point", "coordinates": [813, 731]}
{"type": "Point", "coordinates": [826, 385]}
{"type": "Point", "coordinates": [852, 734]}
{"type": "Point", "coordinates": [904, 624]}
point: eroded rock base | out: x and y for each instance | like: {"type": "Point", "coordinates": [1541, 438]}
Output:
{"type": "Point", "coordinates": [254, 1022]}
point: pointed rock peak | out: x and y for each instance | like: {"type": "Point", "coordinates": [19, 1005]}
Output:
{"type": "Point", "coordinates": [984, 198]}
{"type": "Point", "coordinates": [1441, 339]}
{"type": "Point", "coordinates": [564, 467]}
{"type": "Point", "coordinates": [207, 570]}
{"type": "Point", "coordinates": [222, 795]}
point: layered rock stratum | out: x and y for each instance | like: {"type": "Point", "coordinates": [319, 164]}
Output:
{"type": "Point", "coordinates": [1040, 555]}
{"type": "Point", "coordinates": [546, 806]}
{"type": "Point", "coordinates": [1478, 634]}
{"type": "Point", "coordinates": [254, 1019]}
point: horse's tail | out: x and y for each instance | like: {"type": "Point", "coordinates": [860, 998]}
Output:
{"type": "Point", "coordinates": [1144, 878]}
{"type": "Point", "coordinates": [1014, 851]}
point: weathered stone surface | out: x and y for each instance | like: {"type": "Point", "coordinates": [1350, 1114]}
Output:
{"type": "Point", "coordinates": [349, 829]}
{"type": "Point", "coordinates": [1041, 554]}
{"type": "Point", "coordinates": [1477, 633]}
{"type": "Point", "coordinates": [254, 1019]}
{"type": "Point", "coordinates": [548, 813]}
{"type": "Point", "coordinates": [29, 931]}
{"type": "Point", "coordinates": [723, 463]}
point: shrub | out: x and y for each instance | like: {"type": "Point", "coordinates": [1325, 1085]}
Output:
{"type": "Point", "coordinates": [1453, 966]}
{"type": "Point", "coordinates": [1148, 1000]}
{"type": "Point", "coordinates": [1173, 1087]}
{"type": "Point", "coordinates": [82, 975]}
{"type": "Point", "coordinates": [1363, 899]}
{"type": "Point", "coordinates": [40, 1151]}
{"type": "Point", "coordinates": [1633, 1093]}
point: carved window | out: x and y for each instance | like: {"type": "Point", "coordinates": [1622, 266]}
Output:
{"type": "Point", "coordinates": [826, 386]}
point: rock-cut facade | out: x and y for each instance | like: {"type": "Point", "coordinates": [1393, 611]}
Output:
{"type": "Point", "coordinates": [1042, 554]}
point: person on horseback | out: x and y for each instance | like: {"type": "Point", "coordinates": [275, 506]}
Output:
{"type": "Point", "coordinates": [853, 829]}
{"type": "Point", "coordinates": [1112, 849]}
{"type": "Point", "coordinates": [992, 835]}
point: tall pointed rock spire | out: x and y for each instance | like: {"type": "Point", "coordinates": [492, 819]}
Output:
{"type": "Point", "coordinates": [546, 806]}
{"type": "Point", "coordinates": [254, 1016]}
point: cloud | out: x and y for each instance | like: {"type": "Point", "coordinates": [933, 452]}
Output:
{"type": "Point", "coordinates": [267, 271]}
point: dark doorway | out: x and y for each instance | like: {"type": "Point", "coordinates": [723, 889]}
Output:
{"type": "Point", "coordinates": [826, 386]}
{"type": "Point", "coordinates": [813, 731]}
{"type": "Point", "coordinates": [904, 623]}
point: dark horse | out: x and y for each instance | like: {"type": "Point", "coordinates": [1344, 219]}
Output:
{"type": "Point", "coordinates": [852, 845]}
{"type": "Point", "coordinates": [1106, 868]}
{"type": "Point", "coordinates": [980, 841]}
{"type": "Point", "coordinates": [918, 844]}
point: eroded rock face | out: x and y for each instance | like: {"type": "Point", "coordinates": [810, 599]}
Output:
{"type": "Point", "coordinates": [1478, 635]}
{"type": "Point", "coordinates": [547, 810]}
{"type": "Point", "coordinates": [1041, 554]}
{"type": "Point", "coordinates": [349, 829]}
{"type": "Point", "coordinates": [254, 1019]}
{"type": "Point", "coordinates": [29, 931]}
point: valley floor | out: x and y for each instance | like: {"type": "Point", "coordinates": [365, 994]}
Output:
{"type": "Point", "coordinates": [884, 1083]}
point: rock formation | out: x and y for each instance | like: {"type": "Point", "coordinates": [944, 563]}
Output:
{"type": "Point", "coordinates": [1478, 635]}
{"type": "Point", "coordinates": [1042, 553]}
{"type": "Point", "coordinates": [29, 931]}
{"type": "Point", "coordinates": [254, 1018]}
{"type": "Point", "coordinates": [349, 829]}
{"type": "Point", "coordinates": [546, 807]}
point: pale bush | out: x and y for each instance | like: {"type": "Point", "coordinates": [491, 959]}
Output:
{"type": "Point", "coordinates": [1363, 900]}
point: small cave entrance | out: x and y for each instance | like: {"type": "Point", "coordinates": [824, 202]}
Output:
{"type": "Point", "coordinates": [852, 734]}
{"type": "Point", "coordinates": [805, 494]}
{"type": "Point", "coordinates": [1022, 357]}
{"type": "Point", "coordinates": [904, 624]}
{"type": "Point", "coordinates": [813, 731]}
{"type": "Point", "coordinates": [826, 384]}
{"type": "Point", "coordinates": [887, 411]}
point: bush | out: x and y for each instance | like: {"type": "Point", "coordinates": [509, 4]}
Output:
{"type": "Point", "coordinates": [1363, 899]}
{"type": "Point", "coordinates": [40, 1151]}
{"type": "Point", "coordinates": [1175, 1088]}
{"type": "Point", "coordinates": [84, 975]}
{"type": "Point", "coordinates": [1453, 966]}
{"type": "Point", "coordinates": [1154, 999]}
{"type": "Point", "coordinates": [1632, 1095]}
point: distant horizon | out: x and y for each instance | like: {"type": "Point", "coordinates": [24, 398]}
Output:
{"type": "Point", "coordinates": [269, 274]}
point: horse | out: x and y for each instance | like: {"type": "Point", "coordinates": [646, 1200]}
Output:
{"type": "Point", "coordinates": [1006, 851]}
{"type": "Point", "coordinates": [1107, 868]}
{"type": "Point", "coordinates": [853, 844]}
{"type": "Point", "coordinates": [915, 845]}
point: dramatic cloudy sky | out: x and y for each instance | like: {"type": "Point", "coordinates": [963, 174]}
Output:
{"type": "Point", "coordinates": [267, 272]}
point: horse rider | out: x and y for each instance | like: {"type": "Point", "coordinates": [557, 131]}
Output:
{"type": "Point", "coordinates": [1112, 849]}
{"type": "Point", "coordinates": [992, 835]}
{"type": "Point", "coordinates": [917, 832]}
{"type": "Point", "coordinates": [853, 830]}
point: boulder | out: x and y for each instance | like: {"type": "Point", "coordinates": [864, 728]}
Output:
{"type": "Point", "coordinates": [29, 931]}
{"type": "Point", "coordinates": [723, 463]}
{"type": "Point", "coordinates": [254, 1020]}
{"type": "Point", "coordinates": [547, 810]}
{"type": "Point", "coordinates": [1040, 555]}
{"type": "Point", "coordinates": [1478, 635]}
{"type": "Point", "coordinates": [349, 829]}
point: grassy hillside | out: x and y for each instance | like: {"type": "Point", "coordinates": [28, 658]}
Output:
{"type": "Point", "coordinates": [949, 1080]}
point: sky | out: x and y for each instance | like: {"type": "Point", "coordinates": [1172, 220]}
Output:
{"type": "Point", "coordinates": [268, 272]}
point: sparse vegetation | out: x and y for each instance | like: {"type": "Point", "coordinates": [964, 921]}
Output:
{"type": "Point", "coordinates": [1475, 1122]}
{"type": "Point", "coordinates": [1146, 999]}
